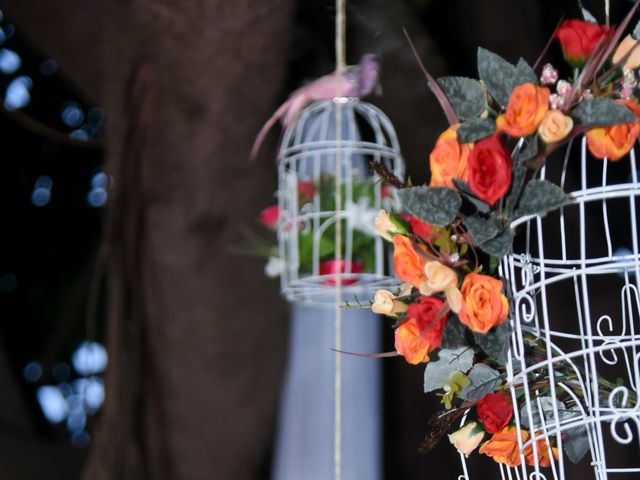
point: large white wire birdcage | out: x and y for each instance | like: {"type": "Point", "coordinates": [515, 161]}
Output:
{"type": "Point", "coordinates": [574, 285]}
{"type": "Point", "coordinates": [306, 192]}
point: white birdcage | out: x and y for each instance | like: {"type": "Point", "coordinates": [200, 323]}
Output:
{"type": "Point", "coordinates": [306, 191]}
{"type": "Point", "coordinates": [574, 285]}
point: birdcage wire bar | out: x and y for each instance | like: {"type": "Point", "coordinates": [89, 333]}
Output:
{"type": "Point", "coordinates": [308, 154]}
{"type": "Point", "coordinates": [573, 289]}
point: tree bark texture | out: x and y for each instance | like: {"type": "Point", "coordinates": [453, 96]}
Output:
{"type": "Point", "coordinates": [196, 334]}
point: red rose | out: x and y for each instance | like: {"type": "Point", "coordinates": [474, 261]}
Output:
{"type": "Point", "coordinates": [579, 39]}
{"type": "Point", "coordinates": [421, 330]}
{"type": "Point", "coordinates": [329, 267]}
{"type": "Point", "coordinates": [494, 411]}
{"type": "Point", "coordinates": [419, 228]}
{"type": "Point", "coordinates": [269, 216]}
{"type": "Point", "coordinates": [489, 167]}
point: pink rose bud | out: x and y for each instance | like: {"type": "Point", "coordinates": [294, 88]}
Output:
{"type": "Point", "coordinates": [555, 101]}
{"type": "Point", "coordinates": [626, 93]}
{"type": "Point", "coordinates": [549, 75]}
{"type": "Point", "coordinates": [306, 190]}
{"type": "Point", "coordinates": [269, 216]}
{"type": "Point", "coordinates": [563, 87]}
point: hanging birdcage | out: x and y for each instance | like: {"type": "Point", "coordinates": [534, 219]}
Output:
{"type": "Point", "coordinates": [307, 183]}
{"type": "Point", "coordinates": [574, 282]}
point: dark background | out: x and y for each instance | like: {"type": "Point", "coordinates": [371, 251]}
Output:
{"type": "Point", "coordinates": [184, 87]}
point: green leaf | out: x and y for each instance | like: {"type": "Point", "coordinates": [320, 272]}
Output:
{"type": "Point", "coordinates": [497, 74]}
{"type": "Point", "coordinates": [466, 95]}
{"type": "Point", "coordinates": [438, 372]}
{"type": "Point", "coordinates": [493, 264]}
{"type": "Point", "coordinates": [466, 192]}
{"type": "Point", "coordinates": [517, 181]}
{"type": "Point", "coordinates": [402, 226]}
{"type": "Point", "coordinates": [475, 129]}
{"type": "Point", "coordinates": [453, 333]}
{"type": "Point", "coordinates": [434, 205]}
{"type": "Point", "coordinates": [483, 229]}
{"type": "Point", "coordinates": [524, 74]}
{"type": "Point", "coordinates": [542, 412]}
{"type": "Point", "coordinates": [539, 197]}
{"type": "Point", "coordinates": [484, 379]}
{"type": "Point", "coordinates": [495, 343]}
{"type": "Point", "coordinates": [576, 443]}
{"type": "Point", "coordinates": [601, 112]}
{"type": "Point", "coordinates": [500, 245]}
{"type": "Point", "coordinates": [530, 151]}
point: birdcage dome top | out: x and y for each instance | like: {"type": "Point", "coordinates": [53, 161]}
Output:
{"type": "Point", "coordinates": [365, 127]}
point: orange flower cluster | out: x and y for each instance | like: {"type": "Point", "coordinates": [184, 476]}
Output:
{"type": "Point", "coordinates": [527, 105]}
{"type": "Point", "coordinates": [503, 448]}
{"type": "Point", "coordinates": [615, 141]}
{"type": "Point", "coordinates": [486, 165]}
{"type": "Point", "coordinates": [420, 332]}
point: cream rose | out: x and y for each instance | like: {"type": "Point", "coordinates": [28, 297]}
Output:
{"type": "Point", "coordinates": [633, 60]}
{"type": "Point", "coordinates": [467, 439]}
{"type": "Point", "coordinates": [555, 126]}
{"type": "Point", "coordinates": [440, 278]}
{"type": "Point", "coordinates": [384, 226]}
{"type": "Point", "coordinates": [385, 303]}
{"type": "Point", "coordinates": [454, 298]}
{"type": "Point", "coordinates": [405, 289]}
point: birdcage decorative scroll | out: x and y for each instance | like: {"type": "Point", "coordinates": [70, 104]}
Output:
{"type": "Point", "coordinates": [574, 284]}
{"type": "Point", "coordinates": [306, 189]}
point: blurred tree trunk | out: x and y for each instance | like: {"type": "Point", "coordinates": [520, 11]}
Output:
{"type": "Point", "coordinates": [196, 335]}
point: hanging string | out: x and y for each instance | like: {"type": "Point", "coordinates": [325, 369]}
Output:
{"type": "Point", "coordinates": [606, 11]}
{"type": "Point", "coordinates": [337, 415]}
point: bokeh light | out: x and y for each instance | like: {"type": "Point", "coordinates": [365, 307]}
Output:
{"type": "Point", "coordinates": [71, 114]}
{"type": "Point", "coordinates": [90, 358]}
{"type": "Point", "coordinates": [17, 94]}
{"type": "Point", "coordinates": [53, 403]}
{"type": "Point", "coordinates": [41, 194]}
{"type": "Point", "coordinates": [32, 372]}
{"type": "Point", "coordinates": [10, 61]}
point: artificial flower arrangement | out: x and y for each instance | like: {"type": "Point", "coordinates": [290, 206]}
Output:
{"type": "Point", "coordinates": [452, 310]}
{"type": "Point", "coordinates": [320, 196]}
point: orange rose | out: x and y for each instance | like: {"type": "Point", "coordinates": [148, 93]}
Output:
{"type": "Point", "coordinates": [448, 159]}
{"type": "Point", "coordinates": [421, 331]}
{"type": "Point", "coordinates": [527, 105]}
{"type": "Point", "coordinates": [503, 446]}
{"type": "Point", "coordinates": [483, 304]}
{"type": "Point", "coordinates": [615, 141]}
{"type": "Point", "coordinates": [407, 262]}
{"type": "Point", "coordinates": [555, 126]}
{"type": "Point", "coordinates": [544, 460]}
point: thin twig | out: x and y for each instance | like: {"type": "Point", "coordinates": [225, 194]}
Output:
{"type": "Point", "coordinates": [433, 85]}
{"type": "Point", "coordinates": [387, 176]}
{"type": "Point", "coordinates": [43, 130]}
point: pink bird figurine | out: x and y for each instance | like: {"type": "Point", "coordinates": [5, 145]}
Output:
{"type": "Point", "coordinates": [356, 81]}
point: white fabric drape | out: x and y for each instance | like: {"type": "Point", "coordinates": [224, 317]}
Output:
{"type": "Point", "coordinates": [304, 446]}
